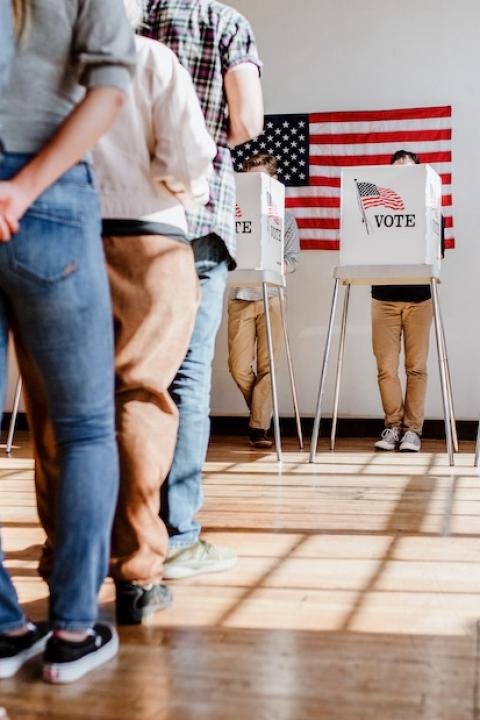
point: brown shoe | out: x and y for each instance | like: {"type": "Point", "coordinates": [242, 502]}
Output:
{"type": "Point", "coordinates": [259, 439]}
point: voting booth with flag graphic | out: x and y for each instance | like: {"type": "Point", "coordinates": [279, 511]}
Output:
{"type": "Point", "coordinates": [391, 215]}
{"type": "Point", "coordinates": [259, 222]}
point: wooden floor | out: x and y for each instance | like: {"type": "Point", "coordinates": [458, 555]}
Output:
{"type": "Point", "coordinates": [357, 596]}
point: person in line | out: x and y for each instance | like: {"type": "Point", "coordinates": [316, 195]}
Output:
{"type": "Point", "coordinates": [152, 164]}
{"type": "Point", "coordinates": [54, 295]}
{"type": "Point", "coordinates": [247, 342]}
{"type": "Point", "coordinates": [402, 310]}
{"type": "Point", "coordinates": [216, 45]}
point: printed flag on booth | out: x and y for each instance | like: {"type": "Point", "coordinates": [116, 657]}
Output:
{"type": "Point", "coordinates": [312, 148]}
{"type": "Point", "coordinates": [372, 195]}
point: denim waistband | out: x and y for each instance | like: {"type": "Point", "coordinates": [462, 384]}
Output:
{"type": "Point", "coordinates": [79, 174]}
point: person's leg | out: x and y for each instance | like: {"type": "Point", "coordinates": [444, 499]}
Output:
{"type": "Point", "coordinates": [241, 345]}
{"type": "Point", "coordinates": [154, 290]}
{"type": "Point", "coordinates": [261, 414]}
{"type": "Point", "coordinates": [386, 339]}
{"type": "Point", "coordinates": [45, 451]}
{"type": "Point", "coordinates": [19, 639]}
{"type": "Point", "coordinates": [60, 303]}
{"type": "Point", "coordinates": [417, 321]}
{"type": "Point", "coordinates": [11, 614]}
{"type": "Point", "coordinates": [182, 491]}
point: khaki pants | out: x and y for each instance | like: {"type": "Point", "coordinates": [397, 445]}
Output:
{"type": "Point", "coordinates": [247, 346]}
{"type": "Point", "coordinates": [389, 320]}
{"type": "Point", "coordinates": [155, 296]}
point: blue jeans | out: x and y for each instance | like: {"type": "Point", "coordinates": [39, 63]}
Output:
{"type": "Point", "coordinates": [54, 294]}
{"type": "Point", "coordinates": [182, 491]}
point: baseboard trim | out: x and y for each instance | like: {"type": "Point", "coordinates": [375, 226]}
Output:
{"type": "Point", "coordinates": [20, 424]}
{"type": "Point", "coordinates": [346, 427]}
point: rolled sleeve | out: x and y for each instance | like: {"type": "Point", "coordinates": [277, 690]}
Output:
{"type": "Point", "coordinates": [238, 46]}
{"type": "Point", "coordinates": [292, 243]}
{"type": "Point", "coordinates": [104, 50]}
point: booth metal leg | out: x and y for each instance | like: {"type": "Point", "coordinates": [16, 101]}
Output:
{"type": "Point", "coordinates": [476, 462]}
{"type": "Point", "coordinates": [449, 384]}
{"type": "Point", "coordinates": [341, 348]}
{"type": "Point", "coordinates": [13, 419]}
{"type": "Point", "coordinates": [443, 373]}
{"type": "Point", "coordinates": [273, 377]}
{"type": "Point", "coordinates": [291, 374]}
{"type": "Point", "coordinates": [326, 353]}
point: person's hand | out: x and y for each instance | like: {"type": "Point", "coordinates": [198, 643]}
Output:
{"type": "Point", "coordinates": [13, 204]}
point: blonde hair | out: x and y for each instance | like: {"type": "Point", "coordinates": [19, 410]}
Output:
{"type": "Point", "coordinates": [20, 15]}
{"type": "Point", "coordinates": [134, 12]}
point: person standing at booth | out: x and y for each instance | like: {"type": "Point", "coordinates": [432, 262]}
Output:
{"type": "Point", "coordinates": [247, 341]}
{"type": "Point", "coordinates": [401, 310]}
{"type": "Point", "coordinates": [215, 43]}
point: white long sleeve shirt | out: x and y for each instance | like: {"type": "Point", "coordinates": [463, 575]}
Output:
{"type": "Point", "coordinates": [156, 159]}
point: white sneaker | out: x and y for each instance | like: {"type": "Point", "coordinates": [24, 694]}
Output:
{"type": "Point", "coordinates": [410, 442]}
{"type": "Point", "coordinates": [389, 439]}
{"type": "Point", "coordinates": [202, 557]}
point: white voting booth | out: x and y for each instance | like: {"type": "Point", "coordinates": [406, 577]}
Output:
{"type": "Point", "coordinates": [260, 224]}
{"type": "Point", "coordinates": [391, 230]}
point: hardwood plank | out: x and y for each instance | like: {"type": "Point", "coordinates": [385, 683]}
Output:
{"type": "Point", "coordinates": [355, 596]}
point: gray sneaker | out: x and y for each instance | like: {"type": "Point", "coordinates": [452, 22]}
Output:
{"type": "Point", "coordinates": [410, 442]}
{"type": "Point", "coordinates": [389, 439]}
{"type": "Point", "coordinates": [202, 557]}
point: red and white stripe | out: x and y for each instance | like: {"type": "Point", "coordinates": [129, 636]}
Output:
{"type": "Point", "coordinates": [345, 139]}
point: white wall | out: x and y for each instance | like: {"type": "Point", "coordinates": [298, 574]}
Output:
{"type": "Point", "coordinates": [349, 55]}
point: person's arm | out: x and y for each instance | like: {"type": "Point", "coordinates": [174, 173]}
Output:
{"type": "Point", "coordinates": [292, 243]}
{"type": "Point", "coordinates": [80, 131]}
{"type": "Point", "coordinates": [245, 103]}
{"type": "Point", "coordinates": [184, 150]}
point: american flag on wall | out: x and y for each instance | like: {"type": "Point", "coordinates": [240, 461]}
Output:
{"type": "Point", "coordinates": [312, 148]}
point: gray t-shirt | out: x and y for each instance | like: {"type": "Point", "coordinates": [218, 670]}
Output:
{"type": "Point", "coordinates": [67, 47]}
{"type": "Point", "coordinates": [291, 251]}
{"type": "Point", "coordinates": [6, 42]}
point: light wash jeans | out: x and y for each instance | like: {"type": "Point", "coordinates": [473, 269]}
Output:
{"type": "Point", "coordinates": [54, 294]}
{"type": "Point", "coordinates": [182, 492]}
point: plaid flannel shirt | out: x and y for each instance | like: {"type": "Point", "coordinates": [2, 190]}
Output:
{"type": "Point", "coordinates": [209, 39]}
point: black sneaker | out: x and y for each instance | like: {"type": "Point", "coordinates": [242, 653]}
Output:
{"type": "Point", "coordinates": [65, 661]}
{"type": "Point", "coordinates": [259, 438]}
{"type": "Point", "coordinates": [15, 651]}
{"type": "Point", "coordinates": [135, 603]}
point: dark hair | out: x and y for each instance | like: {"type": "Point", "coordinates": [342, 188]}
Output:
{"type": "Point", "coordinates": [265, 159]}
{"type": "Point", "coordinates": [400, 154]}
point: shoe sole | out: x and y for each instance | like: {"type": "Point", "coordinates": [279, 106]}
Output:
{"type": "Point", "coordinates": [390, 448]}
{"type": "Point", "coordinates": [138, 615]}
{"type": "Point", "coordinates": [9, 666]}
{"type": "Point", "coordinates": [179, 572]}
{"type": "Point", "coordinates": [64, 673]}
{"type": "Point", "coordinates": [409, 448]}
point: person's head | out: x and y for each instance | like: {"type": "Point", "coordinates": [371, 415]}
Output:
{"type": "Point", "coordinates": [134, 12]}
{"type": "Point", "coordinates": [20, 10]}
{"type": "Point", "coordinates": [262, 162]}
{"type": "Point", "coordinates": [404, 157]}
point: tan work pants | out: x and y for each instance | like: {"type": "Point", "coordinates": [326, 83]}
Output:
{"type": "Point", "coordinates": [155, 296]}
{"type": "Point", "coordinates": [248, 349]}
{"type": "Point", "coordinates": [389, 321]}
